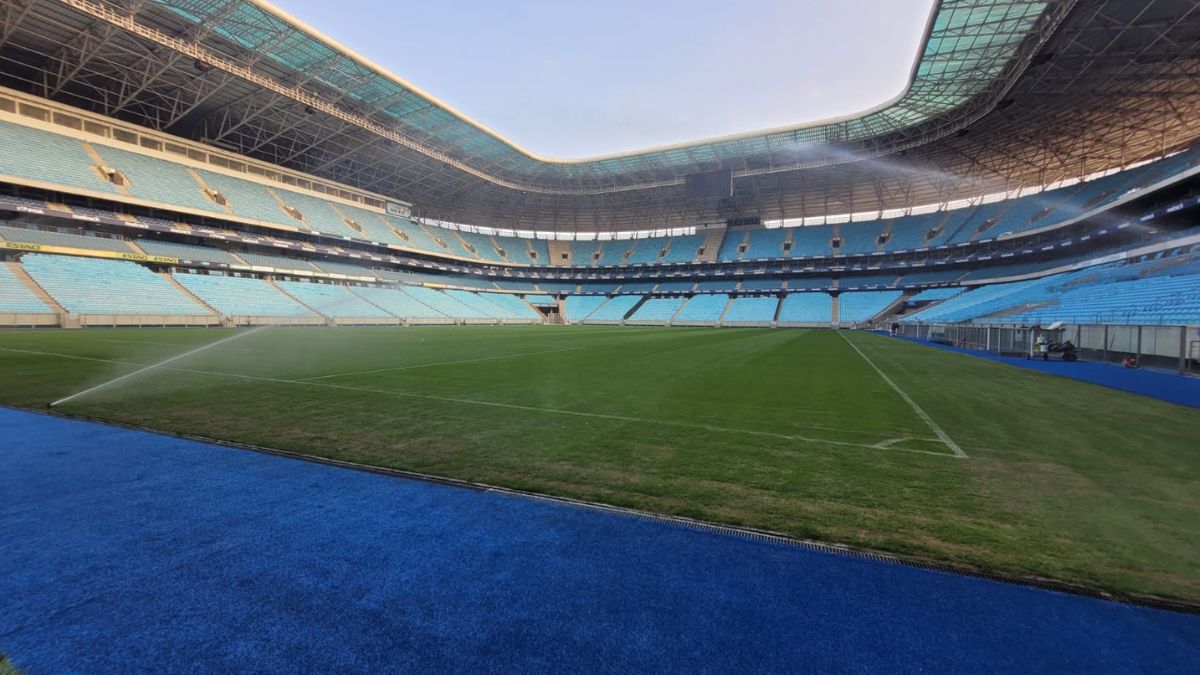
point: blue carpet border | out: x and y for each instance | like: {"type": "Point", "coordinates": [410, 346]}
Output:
{"type": "Point", "coordinates": [738, 531]}
{"type": "Point", "coordinates": [1169, 387]}
{"type": "Point", "coordinates": [168, 553]}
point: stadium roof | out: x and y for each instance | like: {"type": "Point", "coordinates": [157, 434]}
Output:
{"type": "Point", "coordinates": [1004, 93]}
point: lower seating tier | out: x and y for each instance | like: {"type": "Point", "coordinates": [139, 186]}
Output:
{"type": "Point", "coordinates": [17, 298]}
{"type": "Point", "coordinates": [108, 287]}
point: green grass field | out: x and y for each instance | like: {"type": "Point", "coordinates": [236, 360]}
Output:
{"type": "Point", "coordinates": [787, 430]}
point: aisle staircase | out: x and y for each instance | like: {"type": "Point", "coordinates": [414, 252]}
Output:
{"type": "Point", "coordinates": [64, 317]}
{"type": "Point", "coordinates": [225, 321]}
{"type": "Point", "coordinates": [328, 320]}
{"type": "Point", "coordinates": [713, 239]}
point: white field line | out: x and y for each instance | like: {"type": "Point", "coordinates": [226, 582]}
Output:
{"type": "Point", "coordinates": [160, 364]}
{"type": "Point", "coordinates": [941, 434]}
{"type": "Point", "coordinates": [496, 404]}
{"type": "Point", "coordinates": [167, 344]}
{"type": "Point", "coordinates": [437, 363]}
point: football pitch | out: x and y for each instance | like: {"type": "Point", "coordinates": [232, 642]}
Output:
{"type": "Point", "coordinates": [849, 438]}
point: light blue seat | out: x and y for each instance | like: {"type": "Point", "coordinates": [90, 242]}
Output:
{"type": "Point", "coordinates": [98, 286]}
{"type": "Point", "coordinates": [278, 262]}
{"type": "Point", "coordinates": [763, 244]}
{"type": "Point", "coordinates": [860, 237]}
{"type": "Point", "coordinates": [397, 275]}
{"type": "Point", "coordinates": [657, 309]}
{"type": "Point", "coordinates": [809, 282]}
{"type": "Point", "coordinates": [236, 296]}
{"type": "Point", "coordinates": [515, 249]}
{"type": "Point", "coordinates": [397, 302]}
{"type": "Point", "coordinates": [716, 285]}
{"type": "Point", "coordinates": [806, 308]}
{"type": "Point", "coordinates": [707, 307]}
{"type": "Point", "coordinates": [371, 224]}
{"type": "Point", "coordinates": [861, 306]}
{"type": "Point", "coordinates": [332, 300]}
{"type": "Point", "coordinates": [615, 308]}
{"type": "Point", "coordinates": [752, 309]}
{"type": "Point", "coordinates": [579, 307]}
{"type": "Point", "coordinates": [35, 236]}
{"type": "Point", "coordinates": [762, 284]}
{"type": "Point", "coordinates": [610, 252]}
{"type": "Point", "coordinates": [412, 235]}
{"type": "Point", "coordinates": [248, 199]}
{"type": "Point", "coordinates": [172, 249]}
{"type": "Point", "coordinates": [669, 286]}
{"type": "Point", "coordinates": [868, 280]}
{"type": "Point", "coordinates": [683, 248]}
{"type": "Point", "coordinates": [541, 251]}
{"type": "Point", "coordinates": [811, 240]}
{"type": "Point", "coordinates": [582, 252]}
{"type": "Point", "coordinates": [448, 303]}
{"type": "Point", "coordinates": [453, 245]}
{"type": "Point", "coordinates": [908, 232]}
{"type": "Point", "coordinates": [646, 251]}
{"type": "Point", "coordinates": [348, 269]}
{"type": "Point", "coordinates": [16, 298]}
{"type": "Point", "coordinates": [930, 294]}
{"type": "Point", "coordinates": [484, 247]}
{"type": "Point", "coordinates": [44, 156]}
{"type": "Point", "coordinates": [930, 277]}
{"type": "Point", "coordinates": [157, 179]}
{"type": "Point", "coordinates": [318, 215]}
{"type": "Point", "coordinates": [511, 285]}
{"type": "Point", "coordinates": [509, 306]}
{"type": "Point", "coordinates": [638, 286]}
{"type": "Point", "coordinates": [598, 287]}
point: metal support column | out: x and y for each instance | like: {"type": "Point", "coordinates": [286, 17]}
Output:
{"type": "Point", "coordinates": [1182, 350]}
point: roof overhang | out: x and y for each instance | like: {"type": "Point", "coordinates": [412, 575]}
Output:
{"type": "Point", "coordinates": [244, 76]}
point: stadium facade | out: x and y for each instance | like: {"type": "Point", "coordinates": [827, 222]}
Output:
{"type": "Point", "coordinates": [218, 162]}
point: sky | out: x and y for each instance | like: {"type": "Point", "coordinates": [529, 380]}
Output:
{"type": "Point", "coordinates": [580, 78]}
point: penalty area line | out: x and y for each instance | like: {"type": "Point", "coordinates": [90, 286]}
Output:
{"type": "Point", "coordinates": [512, 406]}
{"type": "Point", "coordinates": [937, 430]}
{"type": "Point", "coordinates": [562, 411]}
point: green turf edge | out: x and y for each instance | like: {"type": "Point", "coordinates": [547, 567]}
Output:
{"type": "Point", "coordinates": [834, 548]}
{"type": "Point", "coordinates": [1063, 568]}
{"type": "Point", "coordinates": [6, 666]}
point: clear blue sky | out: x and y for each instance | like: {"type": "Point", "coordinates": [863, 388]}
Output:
{"type": "Point", "coordinates": [575, 78]}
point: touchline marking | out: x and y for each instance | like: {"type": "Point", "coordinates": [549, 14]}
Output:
{"type": "Point", "coordinates": [167, 344]}
{"type": "Point", "coordinates": [941, 434]}
{"type": "Point", "coordinates": [160, 364]}
{"type": "Point", "coordinates": [496, 404]}
{"type": "Point", "coordinates": [555, 411]}
{"type": "Point", "coordinates": [439, 363]}
{"type": "Point", "coordinates": [67, 356]}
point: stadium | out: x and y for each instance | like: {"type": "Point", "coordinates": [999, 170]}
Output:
{"type": "Point", "coordinates": [304, 370]}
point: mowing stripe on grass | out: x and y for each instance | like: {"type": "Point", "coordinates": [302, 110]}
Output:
{"type": "Point", "coordinates": [510, 406]}
{"type": "Point", "coordinates": [945, 438]}
{"type": "Point", "coordinates": [160, 364]}
{"type": "Point", "coordinates": [438, 363]}
{"type": "Point", "coordinates": [556, 411]}
{"type": "Point", "coordinates": [167, 344]}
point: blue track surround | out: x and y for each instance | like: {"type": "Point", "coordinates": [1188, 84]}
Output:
{"type": "Point", "coordinates": [123, 550]}
{"type": "Point", "coordinates": [1170, 387]}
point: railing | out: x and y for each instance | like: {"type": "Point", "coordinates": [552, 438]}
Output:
{"type": "Point", "coordinates": [1167, 347]}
